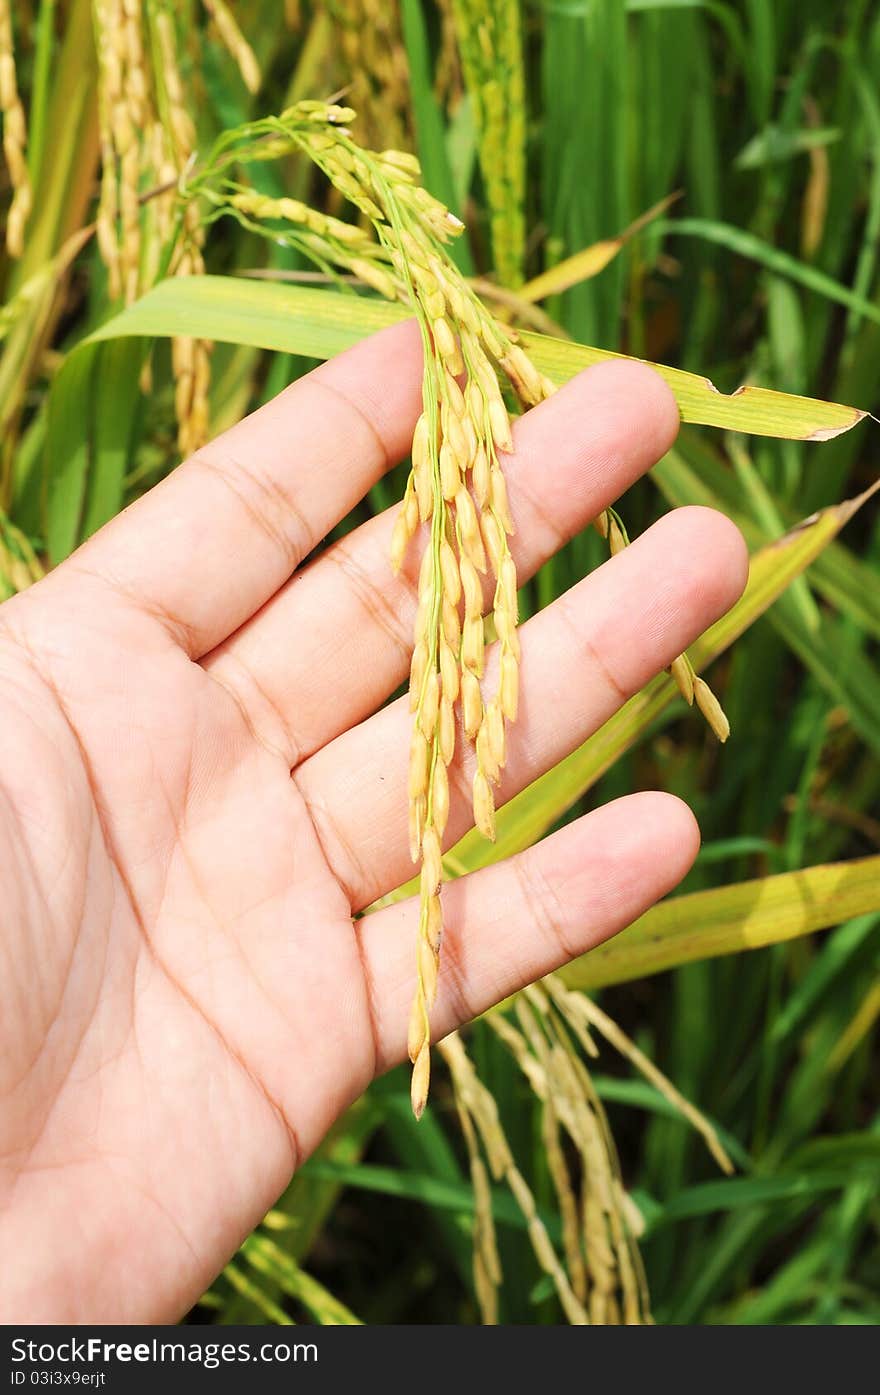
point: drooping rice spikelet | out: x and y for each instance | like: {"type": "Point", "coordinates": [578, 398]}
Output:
{"type": "Point", "coordinates": [599, 1222]}
{"type": "Point", "coordinates": [14, 138]}
{"type": "Point", "coordinates": [573, 1097]}
{"type": "Point", "coordinates": [548, 1032]}
{"type": "Point", "coordinates": [234, 42]}
{"type": "Point", "coordinates": [486, 1262]}
{"type": "Point", "coordinates": [581, 1013]}
{"type": "Point", "coordinates": [475, 1099]}
{"type": "Point", "coordinates": [566, 1198]}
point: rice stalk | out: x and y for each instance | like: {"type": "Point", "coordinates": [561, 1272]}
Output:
{"type": "Point", "coordinates": [175, 142]}
{"type": "Point", "coordinates": [14, 138]}
{"type": "Point", "coordinates": [127, 106]}
{"type": "Point", "coordinates": [148, 137]}
{"type": "Point", "coordinates": [19, 565]}
{"type": "Point", "coordinates": [486, 1263]}
{"type": "Point", "coordinates": [490, 45]}
{"type": "Point", "coordinates": [376, 69]}
{"type": "Point", "coordinates": [565, 1195]}
{"type": "Point", "coordinates": [606, 1234]}
{"type": "Point", "coordinates": [447, 67]}
{"type": "Point", "coordinates": [600, 1224]}
{"type": "Point", "coordinates": [581, 1013]}
{"type": "Point", "coordinates": [612, 1222]}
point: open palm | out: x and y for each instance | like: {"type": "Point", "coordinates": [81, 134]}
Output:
{"type": "Point", "coordinates": [200, 784]}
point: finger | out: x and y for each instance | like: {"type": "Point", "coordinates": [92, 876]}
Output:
{"type": "Point", "coordinates": [353, 620]}
{"type": "Point", "coordinates": [508, 925]}
{"type": "Point", "coordinates": [582, 658]}
{"type": "Point", "coordinates": [211, 543]}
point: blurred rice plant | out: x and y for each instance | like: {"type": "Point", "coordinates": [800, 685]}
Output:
{"type": "Point", "coordinates": [551, 128]}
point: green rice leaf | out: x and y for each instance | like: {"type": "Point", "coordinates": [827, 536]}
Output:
{"type": "Point", "coordinates": [321, 323]}
{"type": "Point", "coordinates": [745, 244]}
{"type": "Point", "coordinates": [745, 1192]}
{"type": "Point", "coordinates": [728, 919]}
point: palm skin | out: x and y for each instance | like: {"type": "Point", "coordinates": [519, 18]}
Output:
{"type": "Point", "coordinates": [198, 791]}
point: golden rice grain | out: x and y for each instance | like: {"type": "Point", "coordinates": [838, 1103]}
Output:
{"type": "Point", "coordinates": [473, 1097]}
{"type": "Point", "coordinates": [421, 1079]}
{"type": "Point", "coordinates": [711, 709]}
{"type": "Point", "coordinates": [484, 806]}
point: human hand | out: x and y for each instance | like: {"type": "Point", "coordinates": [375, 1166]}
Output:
{"type": "Point", "coordinates": [197, 792]}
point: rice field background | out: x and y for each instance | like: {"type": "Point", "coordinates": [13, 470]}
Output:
{"type": "Point", "coordinates": [685, 1126]}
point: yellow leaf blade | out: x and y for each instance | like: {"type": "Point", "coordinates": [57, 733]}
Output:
{"type": "Point", "coordinates": [754, 410]}
{"type": "Point", "coordinates": [580, 267]}
{"type": "Point", "coordinates": [729, 919]}
{"type": "Point", "coordinates": [590, 261]}
{"type": "Point", "coordinates": [321, 323]}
